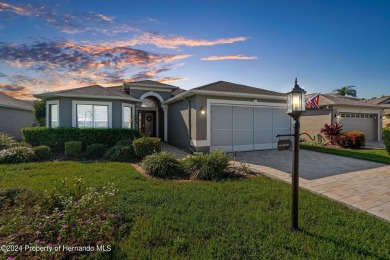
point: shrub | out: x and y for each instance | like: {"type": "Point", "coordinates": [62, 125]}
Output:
{"type": "Point", "coordinates": [59, 217]}
{"type": "Point", "coordinates": [39, 111]}
{"type": "Point", "coordinates": [386, 138]}
{"type": "Point", "coordinates": [6, 141]}
{"type": "Point", "coordinates": [73, 148]}
{"type": "Point", "coordinates": [17, 154]}
{"type": "Point", "coordinates": [145, 146]}
{"type": "Point", "coordinates": [356, 139]}
{"type": "Point", "coordinates": [332, 132]}
{"type": "Point", "coordinates": [206, 166]}
{"type": "Point", "coordinates": [126, 142]}
{"type": "Point", "coordinates": [55, 138]}
{"type": "Point", "coordinates": [42, 153]}
{"type": "Point", "coordinates": [163, 165]}
{"type": "Point", "coordinates": [95, 150]}
{"type": "Point", "coordinates": [120, 153]}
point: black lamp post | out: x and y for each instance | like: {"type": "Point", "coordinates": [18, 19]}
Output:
{"type": "Point", "coordinates": [296, 103]}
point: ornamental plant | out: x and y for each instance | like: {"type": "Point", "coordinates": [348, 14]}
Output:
{"type": "Point", "coordinates": [332, 132]}
{"type": "Point", "coordinates": [67, 215]}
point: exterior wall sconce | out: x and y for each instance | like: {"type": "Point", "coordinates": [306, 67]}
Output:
{"type": "Point", "coordinates": [337, 115]}
{"type": "Point", "coordinates": [202, 110]}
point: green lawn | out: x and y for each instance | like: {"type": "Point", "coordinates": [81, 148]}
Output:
{"type": "Point", "coordinates": [376, 155]}
{"type": "Point", "coordinates": [238, 218]}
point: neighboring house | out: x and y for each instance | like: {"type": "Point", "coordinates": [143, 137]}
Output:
{"type": "Point", "coordinates": [385, 103]}
{"type": "Point", "coordinates": [219, 115]}
{"type": "Point", "coordinates": [14, 114]}
{"type": "Point", "coordinates": [352, 113]}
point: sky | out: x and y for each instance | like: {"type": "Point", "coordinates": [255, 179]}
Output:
{"type": "Point", "coordinates": [53, 45]}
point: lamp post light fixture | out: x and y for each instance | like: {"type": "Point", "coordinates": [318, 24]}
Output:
{"type": "Point", "coordinates": [296, 102]}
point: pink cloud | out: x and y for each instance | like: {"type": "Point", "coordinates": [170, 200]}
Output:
{"type": "Point", "coordinates": [230, 57]}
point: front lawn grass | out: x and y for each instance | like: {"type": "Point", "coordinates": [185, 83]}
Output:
{"type": "Point", "coordinates": [376, 155]}
{"type": "Point", "coordinates": [240, 218]}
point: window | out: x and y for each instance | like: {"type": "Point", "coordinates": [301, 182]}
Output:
{"type": "Point", "coordinates": [91, 114]}
{"type": "Point", "coordinates": [148, 102]}
{"type": "Point", "coordinates": [127, 116]}
{"type": "Point", "coordinates": [52, 113]}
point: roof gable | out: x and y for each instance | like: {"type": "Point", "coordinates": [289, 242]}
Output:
{"type": "Point", "coordinates": [148, 83]}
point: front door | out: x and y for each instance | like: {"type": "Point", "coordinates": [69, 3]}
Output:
{"type": "Point", "coordinates": [147, 122]}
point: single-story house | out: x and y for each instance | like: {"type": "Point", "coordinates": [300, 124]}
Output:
{"type": "Point", "coordinates": [15, 114]}
{"type": "Point", "coordinates": [385, 103]}
{"type": "Point", "coordinates": [220, 115]}
{"type": "Point", "coordinates": [352, 113]}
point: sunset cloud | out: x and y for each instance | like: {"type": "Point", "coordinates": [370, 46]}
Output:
{"type": "Point", "coordinates": [230, 57]}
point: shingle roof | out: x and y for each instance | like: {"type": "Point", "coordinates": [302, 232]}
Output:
{"type": "Point", "coordinates": [7, 101]}
{"type": "Point", "coordinates": [224, 86]}
{"type": "Point", "coordinates": [90, 91]}
{"type": "Point", "coordinates": [378, 101]}
{"type": "Point", "coordinates": [177, 91]}
{"type": "Point", "coordinates": [149, 83]}
{"type": "Point", "coordinates": [333, 99]}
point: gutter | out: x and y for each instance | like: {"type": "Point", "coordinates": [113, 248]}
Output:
{"type": "Point", "coordinates": [42, 96]}
{"type": "Point", "coordinates": [21, 108]}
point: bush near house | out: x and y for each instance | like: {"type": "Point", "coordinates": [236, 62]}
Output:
{"type": "Point", "coordinates": [6, 141]}
{"type": "Point", "coordinates": [386, 138]}
{"type": "Point", "coordinates": [332, 132]}
{"type": "Point", "coordinates": [163, 165]}
{"type": "Point", "coordinates": [211, 166]}
{"type": "Point", "coordinates": [73, 148]}
{"type": "Point", "coordinates": [17, 154]}
{"type": "Point", "coordinates": [55, 138]}
{"type": "Point", "coordinates": [95, 150]}
{"type": "Point", "coordinates": [145, 146]}
{"type": "Point", "coordinates": [42, 153]}
{"type": "Point", "coordinates": [120, 153]}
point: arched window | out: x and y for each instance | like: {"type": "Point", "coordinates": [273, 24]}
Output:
{"type": "Point", "coordinates": [148, 102]}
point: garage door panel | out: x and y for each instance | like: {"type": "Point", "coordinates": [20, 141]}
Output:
{"type": "Point", "coordinates": [243, 118]}
{"type": "Point", "coordinates": [280, 118]}
{"type": "Point", "coordinates": [366, 125]}
{"type": "Point", "coordinates": [221, 117]}
{"type": "Point", "coordinates": [243, 140]}
{"type": "Point", "coordinates": [263, 117]}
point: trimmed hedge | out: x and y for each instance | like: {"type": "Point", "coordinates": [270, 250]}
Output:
{"type": "Point", "coordinates": [42, 153]}
{"type": "Point", "coordinates": [386, 138]}
{"type": "Point", "coordinates": [120, 153]}
{"type": "Point", "coordinates": [17, 154]}
{"type": "Point", "coordinates": [55, 138]}
{"type": "Point", "coordinates": [73, 148]}
{"type": "Point", "coordinates": [145, 146]}
{"type": "Point", "coordinates": [95, 150]}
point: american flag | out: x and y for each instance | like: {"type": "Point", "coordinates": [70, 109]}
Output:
{"type": "Point", "coordinates": [313, 102]}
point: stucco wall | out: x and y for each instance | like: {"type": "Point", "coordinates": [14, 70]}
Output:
{"type": "Point", "coordinates": [182, 122]}
{"type": "Point", "coordinates": [313, 120]}
{"type": "Point", "coordinates": [13, 120]}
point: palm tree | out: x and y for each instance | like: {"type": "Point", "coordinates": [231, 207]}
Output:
{"type": "Point", "coordinates": [345, 91]}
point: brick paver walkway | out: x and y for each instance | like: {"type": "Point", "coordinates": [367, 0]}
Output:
{"type": "Point", "coordinates": [367, 189]}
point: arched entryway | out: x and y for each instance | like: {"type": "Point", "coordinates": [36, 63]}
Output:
{"type": "Point", "coordinates": [151, 115]}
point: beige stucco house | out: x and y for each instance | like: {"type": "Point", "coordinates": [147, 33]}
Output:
{"type": "Point", "coordinates": [352, 113]}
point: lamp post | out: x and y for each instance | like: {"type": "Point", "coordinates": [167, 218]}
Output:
{"type": "Point", "coordinates": [296, 103]}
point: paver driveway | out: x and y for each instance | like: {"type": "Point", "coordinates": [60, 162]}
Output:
{"type": "Point", "coordinates": [358, 183]}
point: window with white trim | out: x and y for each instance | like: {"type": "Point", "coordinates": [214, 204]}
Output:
{"type": "Point", "coordinates": [92, 116]}
{"type": "Point", "coordinates": [127, 116]}
{"type": "Point", "coordinates": [53, 110]}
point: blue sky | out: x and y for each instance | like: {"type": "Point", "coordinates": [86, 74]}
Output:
{"type": "Point", "coordinates": [52, 45]}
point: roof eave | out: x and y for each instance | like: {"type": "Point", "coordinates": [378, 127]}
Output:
{"type": "Point", "coordinates": [16, 107]}
{"type": "Point", "coordinates": [127, 85]}
{"type": "Point", "coordinates": [223, 94]}
{"type": "Point", "coordinates": [351, 105]}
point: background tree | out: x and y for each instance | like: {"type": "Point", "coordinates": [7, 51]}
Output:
{"type": "Point", "coordinates": [39, 111]}
{"type": "Point", "coordinates": [345, 91]}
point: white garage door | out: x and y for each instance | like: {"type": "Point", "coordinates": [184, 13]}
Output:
{"type": "Point", "coordinates": [367, 123]}
{"type": "Point", "coordinates": [246, 128]}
